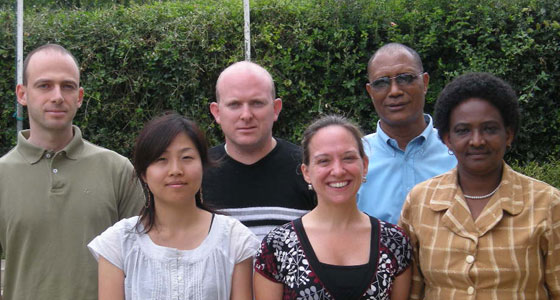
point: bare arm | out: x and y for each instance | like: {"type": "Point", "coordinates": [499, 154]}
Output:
{"type": "Point", "coordinates": [111, 281]}
{"type": "Point", "coordinates": [241, 280]}
{"type": "Point", "coordinates": [401, 286]}
{"type": "Point", "coordinates": [265, 289]}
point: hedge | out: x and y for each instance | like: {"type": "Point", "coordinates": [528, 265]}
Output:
{"type": "Point", "coordinates": [140, 60]}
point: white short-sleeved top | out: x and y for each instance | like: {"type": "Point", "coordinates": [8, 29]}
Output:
{"type": "Point", "coordinates": [156, 272]}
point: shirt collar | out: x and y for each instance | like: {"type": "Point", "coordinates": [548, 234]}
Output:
{"type": "Point", "coordinates": [32, 154]}
{"type": "Point", "coordinates": [421, 138]}
{"type": "Point", "coordinates": [508, 195]}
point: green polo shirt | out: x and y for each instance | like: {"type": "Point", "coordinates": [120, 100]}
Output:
{"type": "Point", "coordinates": [51, 206]}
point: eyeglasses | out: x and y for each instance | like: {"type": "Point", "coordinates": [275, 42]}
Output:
{"type": "Point", "coordinates": [383, 83]}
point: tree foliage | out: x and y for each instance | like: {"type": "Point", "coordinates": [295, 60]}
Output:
{"type": "Point", "coordinates": [140, 60]}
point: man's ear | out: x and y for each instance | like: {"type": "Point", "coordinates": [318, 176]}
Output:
{"type": "Point", "coordinates": [215, 111]}
{"type": "Point", "coordinates": [369, 91]}
{"type": "Point", "coordinates": [21, 93]}
{"type": "Point", "coordinates": [426, 80]}
{"type": "Point", "coordinates": [277, 103]}
{"type": "Point", "coordinates": [80, 96]}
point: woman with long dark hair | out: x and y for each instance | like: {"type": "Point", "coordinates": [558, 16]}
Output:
{"type": "Point", "coordinates": [177, 248]}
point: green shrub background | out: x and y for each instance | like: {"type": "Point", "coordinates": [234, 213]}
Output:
{"type": "Point", "coordinates": [140, 60]}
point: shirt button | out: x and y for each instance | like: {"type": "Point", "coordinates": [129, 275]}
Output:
{"type": "Point", "coordinates": [48, 155]}
{"type": "Point", "coordinates": [470, 290]}
{"type": "Point", "coordinates": [55, 171]}
{"type": "Point", "coordinates": [470, 259]}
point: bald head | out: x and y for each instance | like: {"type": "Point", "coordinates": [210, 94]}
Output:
{"type": "Point", "coordinates": [46, 48]}
{"type": "Point", "coordinates": [395, 48]}
{"type": "Point", "coordinates": [244, 67]}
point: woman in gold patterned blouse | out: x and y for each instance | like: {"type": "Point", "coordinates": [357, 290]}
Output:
{"type": "Point", "coordinates": [482, 230]}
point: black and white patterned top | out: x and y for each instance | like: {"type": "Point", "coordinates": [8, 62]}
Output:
{"type": "Point", "coordinates": [286, 257]}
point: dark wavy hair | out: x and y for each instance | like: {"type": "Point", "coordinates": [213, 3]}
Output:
{"type": "Point", "coordinates": [152, 141]}
{"type": "Point", "coordinates": [484, 86]}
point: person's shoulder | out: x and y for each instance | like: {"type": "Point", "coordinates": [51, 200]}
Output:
{"type": "Point", "coordinates": [282, 232]}
{"type": "Point", "coordinates": [535, 185]}
{"type": "Point", "coordinates": [226, 221]}
{"type": "Point", "coordinates": [393, 237]}
{"type": "Point", "coordinates": [217, 149]}
{"type": "Point", "coordinates": [370, 137]}
{"type": "Point", "coordinates": [92, 150]}
{"type": "Point", "coordinates": [370, 143]}
{"type": "Point", "coordinates": [9, 156]}
{"type": "Point", "coordinates": [446, 178]}
{"type": "Point", "coordinates": [121, 230]}
{"type": "Point", "coordinates": [286, 151]}
{"type": "Point", "coordinates": [391, 230]}
{"type": "Point", "coordinates": [442, 185]}
{"type": "Point", "coordinates": [127, 223]}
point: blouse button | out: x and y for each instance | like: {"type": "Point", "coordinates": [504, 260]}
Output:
{"type": "Point", "coordinates": [470, 259]}
{"type": "Point", "coordinates": [470, 290]}
{"type": "Point", "coordinates": [55, 171]}
{"type": "Point", "coordinates": [48, 155]}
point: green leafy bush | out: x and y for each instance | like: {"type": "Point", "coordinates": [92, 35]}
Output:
{"type": "Point", "coordinates": [548, 172]}
{"type": "Point", "coordinates": [140, 60]}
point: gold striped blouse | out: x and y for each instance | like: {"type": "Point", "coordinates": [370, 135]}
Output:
{"type": "Point", "coordinates": [511, 251]}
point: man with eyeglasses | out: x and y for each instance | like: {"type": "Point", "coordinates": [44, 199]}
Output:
{"type": "Point", "coordinates": [405, 149]}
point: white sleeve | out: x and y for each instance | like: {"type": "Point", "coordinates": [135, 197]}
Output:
{"type": "Point", "coordinates": [109, 245]}
{"type": "Point", "coordinates": [243, 243]}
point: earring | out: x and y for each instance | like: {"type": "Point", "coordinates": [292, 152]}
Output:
{"type": "Point", "coordinates": [364, 179]}
{"type": "Point", "coordinates": [200, 193]}
{"type": "Point", "coordinates": [148, 200]}
{"type": "Point", "coordinates": [148, 196]}
{"type": "Point", "coordinates": [450, 152]}
{"type": "Point", "coordinates": [309, 187]}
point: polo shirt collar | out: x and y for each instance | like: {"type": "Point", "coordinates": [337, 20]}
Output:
{"type": "Point", "coordinates": [422, 137]}
{"type": "Point", "coordinates": [33, 154]}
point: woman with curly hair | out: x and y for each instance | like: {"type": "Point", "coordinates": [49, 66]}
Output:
{"type": "Point", "coordinates": [482, 230]}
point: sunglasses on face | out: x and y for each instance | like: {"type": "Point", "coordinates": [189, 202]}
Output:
{"type": "Point", "coordinates": [381, 84]}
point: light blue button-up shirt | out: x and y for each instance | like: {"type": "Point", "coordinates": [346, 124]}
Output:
{"type": "Point", "coordinates": [392, 172]}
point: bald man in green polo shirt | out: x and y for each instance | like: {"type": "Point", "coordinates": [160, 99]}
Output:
{"type": "Point", "coordinates": [57, 191]}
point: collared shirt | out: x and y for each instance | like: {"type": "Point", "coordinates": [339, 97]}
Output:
{"type": "Point", "coordinates": [511, 251]}
{"type": "Point", "coordinates": [392, 173]}
{"type": "Point", "coordinates": [51, 205]}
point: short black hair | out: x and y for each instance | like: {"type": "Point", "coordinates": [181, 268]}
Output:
{"type": "Point", "coordinates": [393, 47]}
{"type": "Point", "coordinates": [481, 85]}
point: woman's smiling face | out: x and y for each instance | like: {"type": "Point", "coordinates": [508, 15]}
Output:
{"type": "Point", "coordinates": [335, 166]}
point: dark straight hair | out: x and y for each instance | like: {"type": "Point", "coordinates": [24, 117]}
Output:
{"type": "Point", "coordinates": [152, 141]}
